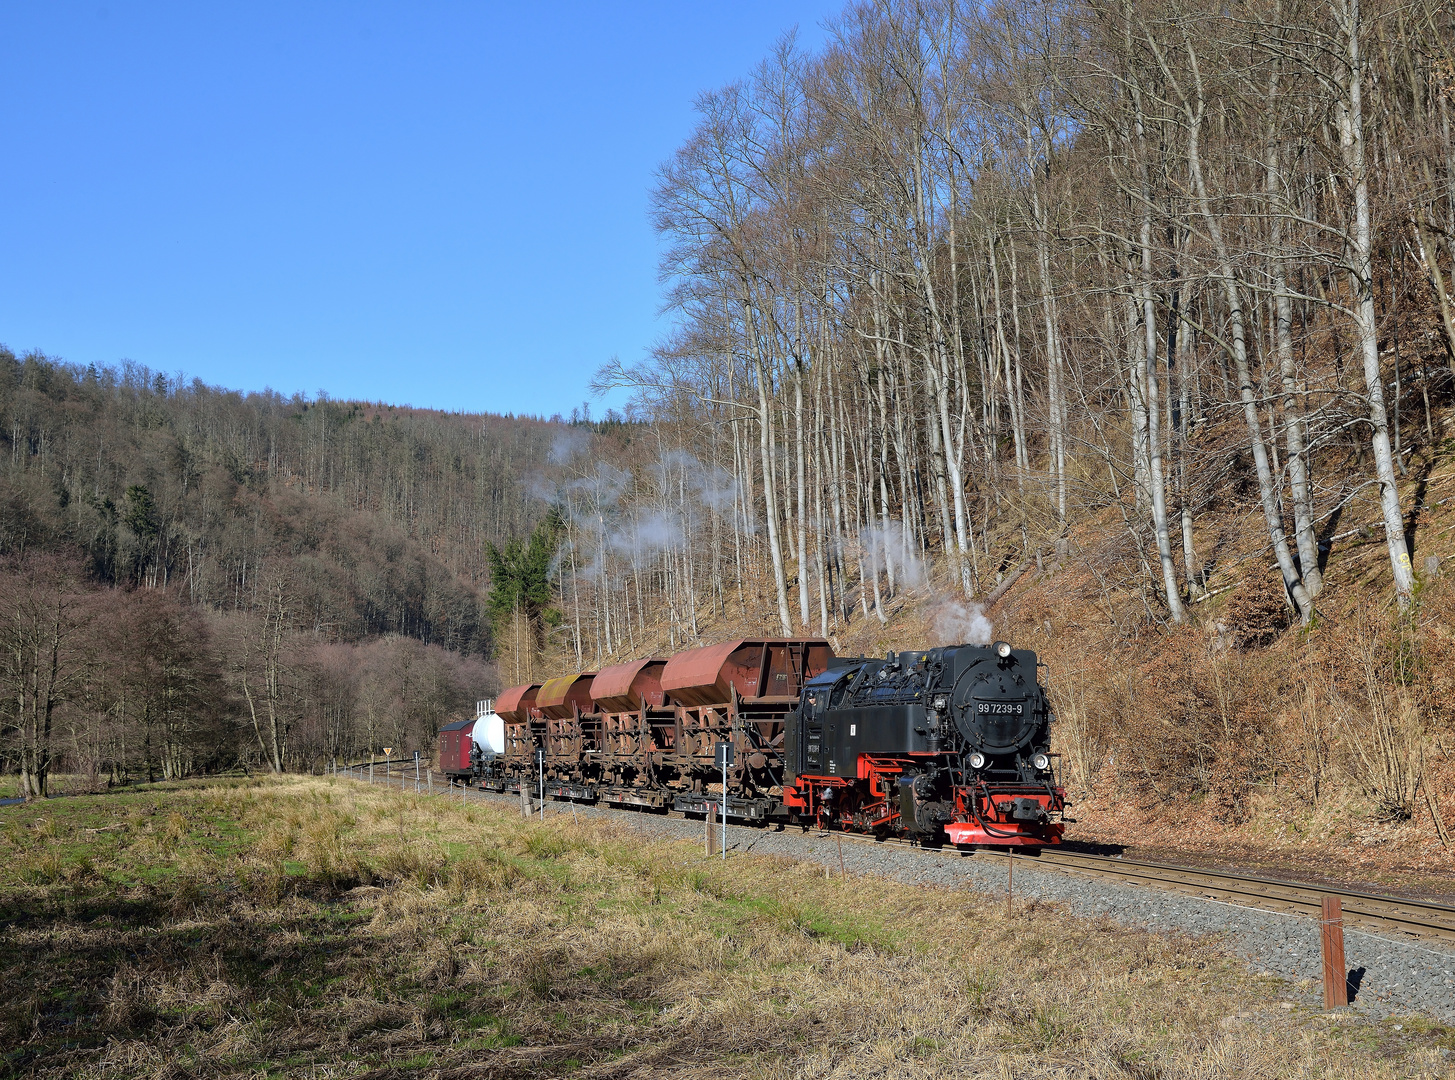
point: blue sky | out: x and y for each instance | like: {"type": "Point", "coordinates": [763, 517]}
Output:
{"type": "Point", "coordinates": [438, 204]}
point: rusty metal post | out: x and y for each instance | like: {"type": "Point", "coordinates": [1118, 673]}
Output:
{"type": "Point", "coordinates": [842, 872]}
{"type": "Point", "coordinates": [707, 818]}
{"type": "Point", "coordinates": [1336, 985]}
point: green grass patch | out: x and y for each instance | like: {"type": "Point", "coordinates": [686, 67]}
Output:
{"type": "Point", "coordinates": [295, 926]}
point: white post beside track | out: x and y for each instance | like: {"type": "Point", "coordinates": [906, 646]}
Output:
{"type": "Point", "coordinates": [724, 758]}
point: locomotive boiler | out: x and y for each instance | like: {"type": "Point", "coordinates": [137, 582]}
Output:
{"type": "Point", "coordinates": [940, 744]}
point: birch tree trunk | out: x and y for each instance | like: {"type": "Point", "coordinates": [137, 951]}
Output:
{"type": "Point", "coordinates": [1298, 480]}
{"type": "Point", "coordinates": [1149, 380]}
{"type": "Point", "coordinates": [1238, 348]}
{"type": "Point", "coordinates": [1053, 353]}
{"type": "Point", "coordinates": [1361, 281]}
{"type": "Point", "coordinates": [770, 496]}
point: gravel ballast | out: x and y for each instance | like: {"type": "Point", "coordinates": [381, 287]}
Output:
{"type": "Point", "coordinates": [1389, 977]}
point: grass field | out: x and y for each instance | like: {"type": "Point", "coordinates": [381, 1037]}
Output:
{"type": "Point", "coordinates": [306, 928]}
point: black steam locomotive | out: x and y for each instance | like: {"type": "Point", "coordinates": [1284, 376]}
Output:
{"type": "Point", "coordinates": [952, 740]}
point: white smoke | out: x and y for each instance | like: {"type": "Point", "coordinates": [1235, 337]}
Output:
{"type": "Point", "coordinates": [604, 487]}
{"type": "Point", "coordinates": [624, 519]}
{"type": "Point", "coordinates": [716, 488]}
{"type": "Point", "coordinates": [646, 534]}
{"type": "Point", "coordinates": [711, 486]}
{"type": "Point", "coordinates": [954, 623]}
{"type": "Point", "coordinates": [567, 444]}
{"type": "Point", "coordinates": [538, 487]}
{"type": "Point", "coordinates": [888, 547]}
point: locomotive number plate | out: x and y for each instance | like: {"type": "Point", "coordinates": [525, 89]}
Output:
{"type": "Point", "coordinates": [1000, 708]}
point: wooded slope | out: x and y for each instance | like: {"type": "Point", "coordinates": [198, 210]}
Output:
{"type": "Point", "coordinates": [227, 577]}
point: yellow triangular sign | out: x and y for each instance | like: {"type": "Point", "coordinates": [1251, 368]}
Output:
{"type": "Point", "coordinates": [388, 750]}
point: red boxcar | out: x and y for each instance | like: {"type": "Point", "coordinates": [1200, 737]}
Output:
{"type": "Point", "coordinates": [454, 748]}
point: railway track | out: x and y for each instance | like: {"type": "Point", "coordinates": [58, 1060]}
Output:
{"type": "Point", "coordinates": [1366, 911]}
{"type": "Point", "coordinates": [1369, 911]}
{"type": "Point", "coordinates": [1362, 910]}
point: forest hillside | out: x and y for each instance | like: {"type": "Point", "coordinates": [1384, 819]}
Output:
{"type": "Point", "coordinates": [197, 578]}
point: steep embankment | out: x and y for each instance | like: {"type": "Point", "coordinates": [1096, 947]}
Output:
{"type": "Point", "coordinates": [1237, 736]}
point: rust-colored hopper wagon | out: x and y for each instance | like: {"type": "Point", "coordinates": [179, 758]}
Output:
{"type": "Point", "coordinates": [638, 731]}
{"type": "Point", "coordinates": [516, 707]}
{"type": "Point", "coordinates": [572, 734]}
{"type": "Point", "coordinates": [738, 692]}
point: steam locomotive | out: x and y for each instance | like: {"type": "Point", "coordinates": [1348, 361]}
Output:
{"type": "Point", "coordinates": [941, 745]}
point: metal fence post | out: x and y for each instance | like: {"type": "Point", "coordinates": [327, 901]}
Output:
{"type": "Point", "coordinates": [725, 759]}
{"type": "Point", "coordinates": [1336, 976]}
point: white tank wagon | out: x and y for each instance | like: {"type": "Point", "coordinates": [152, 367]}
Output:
{"type": "Point", "coordinates": [488, 732]}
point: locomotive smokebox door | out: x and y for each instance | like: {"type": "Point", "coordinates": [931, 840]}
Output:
{"type": "Point", "coordinates": [724, 754]}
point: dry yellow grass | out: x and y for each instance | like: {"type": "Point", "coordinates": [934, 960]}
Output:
{"type": "Point", "coordinates": [301, 927]}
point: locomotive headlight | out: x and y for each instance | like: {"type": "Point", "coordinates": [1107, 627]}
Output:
{"type": "Point", "coordinates": [977, 760]}
{"type": "Point", "coordinates": [1002, 649]}
{"type": "Point", "coordinates": [1041, 762]}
